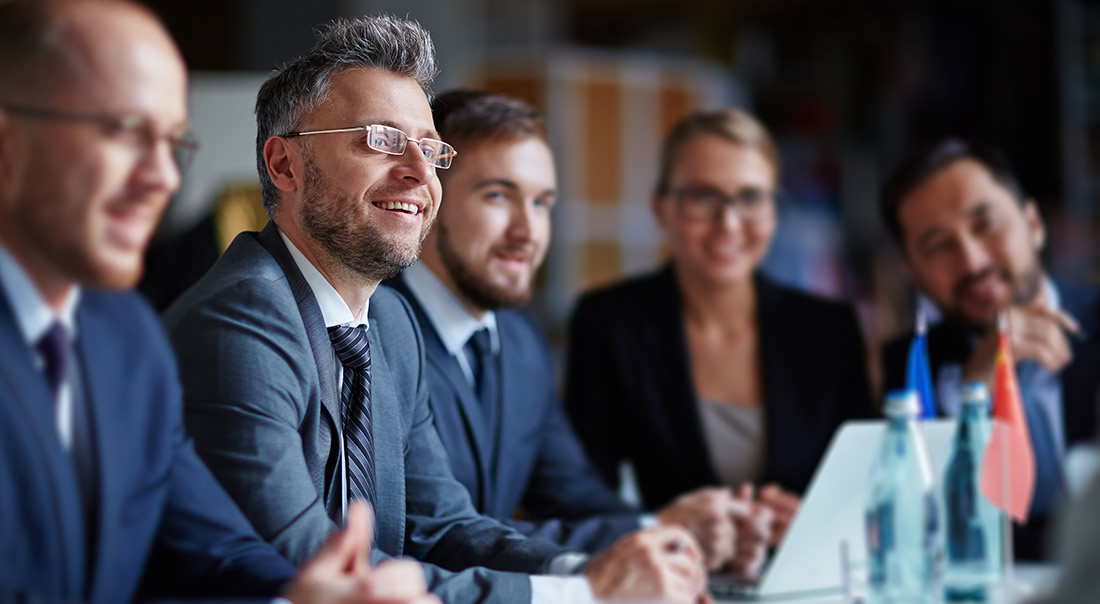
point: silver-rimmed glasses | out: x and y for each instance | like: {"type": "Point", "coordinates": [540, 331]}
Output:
{"type": "Point", "coordinates": [393, 142]}
{"type": "Point", "coordinates": [132, 130]}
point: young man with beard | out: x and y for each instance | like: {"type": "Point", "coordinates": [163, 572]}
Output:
{"type": "Point", "coordinates": [304, 384]}
{"type": "Point", "coordinates": [971, 240]}
{"type": "Point", "coordinates": [492, 386]}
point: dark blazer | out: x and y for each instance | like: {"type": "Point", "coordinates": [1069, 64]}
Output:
{"type": "Point", "coordinates": [260, 377]}
{"type": "Point", "coordinates": [951, 342]}
{"type": "Point", "coordinates": [160, 516]}
{"type": "Point", "coordinates": [527, 454]}
{"type": "Point", "coordinates": [630, 395]}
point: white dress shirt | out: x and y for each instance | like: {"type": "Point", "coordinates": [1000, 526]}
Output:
{"type": "Point", "coordinates": [34, 317]}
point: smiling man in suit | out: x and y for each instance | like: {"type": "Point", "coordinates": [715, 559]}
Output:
{"type": "Point", "coordinates": [492, 386]}
{"type": "Point", "coordinates": [305, 382]}
{"type": "Point", "coordinates": [102, 498]}
{"type": "Point", "coordinates": [971, 240]}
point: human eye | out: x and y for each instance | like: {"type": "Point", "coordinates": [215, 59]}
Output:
{"type": "Point", "coordinates": [545, 201]}
{"type": "Point", "coordinates": [752, 197]}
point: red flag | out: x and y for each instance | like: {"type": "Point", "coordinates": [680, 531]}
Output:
{"type": "Point", "coordinates": [1008, 472]}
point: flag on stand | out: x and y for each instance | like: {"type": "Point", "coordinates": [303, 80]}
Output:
{"type": "Point", "coordinates": [1008, 471]}
{"type": "Point", "coordinates": [918, 372]}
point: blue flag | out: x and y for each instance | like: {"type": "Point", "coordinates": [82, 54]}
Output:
{"type": "Point", "coordinates": [918, 373]}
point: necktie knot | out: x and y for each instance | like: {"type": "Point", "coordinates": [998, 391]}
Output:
{"type": "Point", "coordinates": [482, 343]}
{"type": "Point", "coordinates": [54, 348]}
{"type": "Point", "coordinates": [351, 345]}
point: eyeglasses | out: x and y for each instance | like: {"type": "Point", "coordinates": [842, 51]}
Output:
{"type": "Point", "coordinates": [131, 130]}
{"type": "Point", "coordinates": [704, 203]}
{"type": "Point", "coordinates": [393, 142]}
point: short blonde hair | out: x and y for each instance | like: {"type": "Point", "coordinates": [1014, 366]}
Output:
{"type": "Point", "coordinates": [733, 125]}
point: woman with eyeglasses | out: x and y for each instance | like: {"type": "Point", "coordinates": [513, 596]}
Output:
{"type": "Point", "coordinates": [706, 372]}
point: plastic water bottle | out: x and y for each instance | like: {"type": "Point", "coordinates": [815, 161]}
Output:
{"type": "Point", "coordinates": [973, 526]}
{"type": "Point", "coordinates": [901, 512]}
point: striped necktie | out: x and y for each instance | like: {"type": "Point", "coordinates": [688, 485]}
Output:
{"type": "Point", "coordinates": [353, 350]}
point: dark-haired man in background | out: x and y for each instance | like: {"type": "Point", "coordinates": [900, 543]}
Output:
{"type": "Point", "coordinates": [971, 241]}
{"type": "Point", "coordinates": [493, 389]}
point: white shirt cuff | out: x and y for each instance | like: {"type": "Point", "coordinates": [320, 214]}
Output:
{"type": "Point", "coordinates": [566, 564]}
{"type": "Point", "coordinates": [648, 521]}
{"type": "Point", "coordinates": [546, 589]}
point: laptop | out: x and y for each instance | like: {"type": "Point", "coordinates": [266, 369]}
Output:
{"type": "Point", "coordinates": [807, 563]}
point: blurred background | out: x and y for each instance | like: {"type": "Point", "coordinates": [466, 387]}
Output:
{"type": "Point", "coordinates": [846, 86]}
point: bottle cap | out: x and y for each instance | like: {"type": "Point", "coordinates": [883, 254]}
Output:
{"type": "Point", "coordinates": [975, 393]}
{"type": "Point", "coordinates": [901, 403]}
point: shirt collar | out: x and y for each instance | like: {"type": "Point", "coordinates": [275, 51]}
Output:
{"type": "Point", "coordinates": [451, 320]}
{"type": "Point", "coordinates": [32, 314]}
{"type": "Point", "coordinates": [334, 309]}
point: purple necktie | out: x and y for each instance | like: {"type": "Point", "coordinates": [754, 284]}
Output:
{"type": "Point", "coordinates": [54, 348]}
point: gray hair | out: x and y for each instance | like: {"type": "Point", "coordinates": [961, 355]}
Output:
{"type": "Point", "coordinates": [385, 42]}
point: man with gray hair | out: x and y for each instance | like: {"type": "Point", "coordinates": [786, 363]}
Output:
{"type": "Point", "coordinates": [305, 385]}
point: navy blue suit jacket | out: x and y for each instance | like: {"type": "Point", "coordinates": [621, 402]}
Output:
{"type": "Point", "coordinates": [529, 457]}
{"type": "Point", "coordinates": [951, 342]}
{"type": "Point", "coordinates": [630, 395]}
{"type": "Point", "coordinates": [162, 522]}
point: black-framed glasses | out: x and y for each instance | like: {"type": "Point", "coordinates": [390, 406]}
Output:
{"type": "Point", "coordinates": [393, 142]}
{"type": "Point", "coordinates": [132, 130]}
{"type": "Point", "coordinates": [705, 203]}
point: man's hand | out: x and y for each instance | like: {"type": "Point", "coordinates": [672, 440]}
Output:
{"type": "Point", "coordinates": [783, 506]}
{"type": "Point", "coordinates": [659, 564]}
{"type": "Point", "coordinates": [708, 515]}
{"type": "Point", "coordinates": [341, 573]}
{"type": "Point", "coordinates": [1036, 333]}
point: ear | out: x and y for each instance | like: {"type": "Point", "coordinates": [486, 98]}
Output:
{"type": "Point", "coordinates": [281, 160]}
{"type": "Point", "coordinates": [1037, 231]}
{"type": "Point", "coordinates": [658, 208]}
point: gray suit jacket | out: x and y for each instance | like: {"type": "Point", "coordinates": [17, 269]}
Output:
{"type": "Point", "coordinates": [261, 395]}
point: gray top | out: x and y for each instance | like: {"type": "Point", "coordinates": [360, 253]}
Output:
{"type": "Point", "coordinates": [734, 436]}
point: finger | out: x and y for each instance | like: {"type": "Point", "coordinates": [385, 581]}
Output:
{"type": "Point", "coordinates": [776, 497]}
{"type": "Point", "coordinates": [361, 564]}
{"type": "Point", "coordinates": [396, 580]}
{"type": "Point", "coordinates": [739, 509]}
{"type": "Point", "coordinates": [745, 491]}
{"type": "Point", "coordinates": [1058, 316]}
{"type": "Point", "coordinates": [338, 555]}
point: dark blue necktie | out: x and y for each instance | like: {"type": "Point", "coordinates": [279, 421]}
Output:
{"type": "Point", "coordinates": [54, 348]}
{"type": "Point", "coordinates": [1048, 465]}
{"type": "Point", "coordinates": [353, 350]}
{"type": "Point", "coordinates": [479, 351]}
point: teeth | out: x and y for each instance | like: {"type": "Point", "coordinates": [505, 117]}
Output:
{"type": "Point", "coordinates": [399, 206]}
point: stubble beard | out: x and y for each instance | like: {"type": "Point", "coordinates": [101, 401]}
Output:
{"type": "Point", "coordinates": [339, 225]}
{"type": "Point", "coordinates": [471, 286]}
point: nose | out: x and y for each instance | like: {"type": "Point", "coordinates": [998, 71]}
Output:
{"type": "Point", "coordinates": [729, 218]}
{"type": "Point", "coordinates": [973, 256]}
{"type": "Point", "coordinates": [157, 169]}
{"type": "Point", "coordinates": [521, 219]}
{"type": "Point", "coordinates": [413, 167]}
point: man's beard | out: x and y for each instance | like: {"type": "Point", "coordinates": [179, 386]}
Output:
{"type": "Point", "coordinates": [479, 291]}
{"type": "Point", "coordinates": [338, 224]}
{"type": "Point", "coordinates": [1025, 289]}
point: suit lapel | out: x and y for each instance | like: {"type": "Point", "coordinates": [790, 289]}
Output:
{"type": "Point", "coordinates": [105, 395]}
{"type": "Point", "coordinates": [664, 330]}
{"type": "Point", "coordinates": [27, 385]}
{"type": "Point", "coordinates": [780, 375]}
{"type": "Point", "coordinates": [319, 341]}
{"type": "Point", "coordinates": [468, 404]}
{"type": "Point", "coordinates": [387, 427]}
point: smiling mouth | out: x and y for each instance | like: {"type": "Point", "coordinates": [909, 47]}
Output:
{"type": "Point", "coordinates": [398, 206]}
